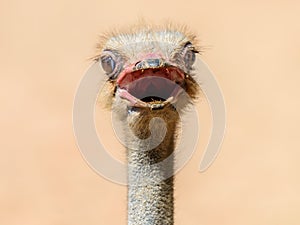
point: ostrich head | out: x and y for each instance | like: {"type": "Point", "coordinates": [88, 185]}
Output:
{"type": "Point", "coordinates": [149, 70]}
{"type": "Point", "coordinates": [149, 74]}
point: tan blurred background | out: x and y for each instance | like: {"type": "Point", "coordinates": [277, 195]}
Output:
{"type": "Point", "coordinates": [254, 50]}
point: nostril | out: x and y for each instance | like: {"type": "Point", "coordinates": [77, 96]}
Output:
{"type": "Point", "coordinates": [137, 63]}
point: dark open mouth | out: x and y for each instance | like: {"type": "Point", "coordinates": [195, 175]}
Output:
{"type": "Point", "coordinates": [151, 87]}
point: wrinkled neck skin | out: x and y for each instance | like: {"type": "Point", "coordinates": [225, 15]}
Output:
{"type": "Point", "coordinates": [150, 196]}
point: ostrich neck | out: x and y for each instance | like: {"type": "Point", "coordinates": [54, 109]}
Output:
{"type": "Point", "coordinates": [150, 196]}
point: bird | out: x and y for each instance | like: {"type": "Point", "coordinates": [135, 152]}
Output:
{"type": "Point", "coordinates": [149, 74]}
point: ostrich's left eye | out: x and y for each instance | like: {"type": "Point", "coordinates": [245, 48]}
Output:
{"type": "Point", "coordinates": [108, 64]}
{"type": "Point", "coordinates": [189, 55]}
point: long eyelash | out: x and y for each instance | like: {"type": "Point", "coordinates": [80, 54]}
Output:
{"type": "Point", "coordinates": [192, 48]}
{"type": "Point", "coordinates": [187, 44]}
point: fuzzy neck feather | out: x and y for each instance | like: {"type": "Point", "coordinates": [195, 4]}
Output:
{"type": "Point", "coordinates": [150, 197]}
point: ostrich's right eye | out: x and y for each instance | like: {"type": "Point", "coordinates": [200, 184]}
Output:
{"type": "Point", "coordinates": [108, 64]}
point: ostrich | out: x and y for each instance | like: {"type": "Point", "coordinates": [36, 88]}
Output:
{"type": "Point", "coordinates": [148, 71]}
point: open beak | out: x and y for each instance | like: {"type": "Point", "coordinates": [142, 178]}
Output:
{"type": "Point", "coordinates": [151, 83]}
